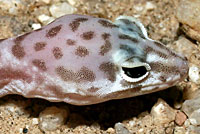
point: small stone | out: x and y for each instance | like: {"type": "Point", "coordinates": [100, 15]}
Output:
{"type": "Point", "coordinates": [188, 14]}
{"type": "Point", "coordinates": [44, 1]}
{"type": "Point", "coordinates": [194, 74]}
{"type": "Point", "coordinates": [194, 118]}
{"type": "Point", "coordinates": [180, 118]}
{"type": "Point", "coordinates": [110, 130]}
{"type": "Point", "coordinates": [36, 26]}
{"type": "Point", "coordinates": [149, 6]}
{"type": "Point", "coordinates": [189, 106]}
{"type": "Point", "coordinates": [52, 117]}
{"type": "Point", "coordinates": [179, 130]}
{"type": "Point", "coordinates": [60, 9]}
{"type": "Point", "coordinates": [131, 123]}
{"type": "Point", "coordinates": [187, 123]}
{"type": "Point", "coordinates": [71, 2]}
{"type": "Point", "coordinates": [35, 121]}
{"type": "Point", "coordinates": [193, 130]}
{"type": "Point", "coordinates": [162, 113]}
{"type": "Point", "coordinates": [14, 109]}
{"type": "Point", "coordinates": [121, 129]}
{"type": "Point", "coordinates": [12, 6]}
{"type": "Point", "coordinates": [44, 19]}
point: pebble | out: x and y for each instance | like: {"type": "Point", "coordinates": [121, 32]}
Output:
{"type": "Point", "coordinates": [44, 1]}
{"type": "Point", "coordinates": [60, 9]}
{"type": "Point", "coordinates": [193, 130]}
{"type": "Point", "coordinates": [194, 74]}
{"type": "Point", "coordinates": [121, 129]}
{"type": "Point", "coordinates": [188, 14]}
{"type": "Point", "coordinates": [150, 6]}
{"type": "Point", "coordinates": [52, 118]}
{"type": "Point", "coordinates": [35, 121]}
{"type": "Point", "coordinates": [45, 19]}
{"type": "Point", "coordinates": [179, 130]}
{"type": "Point", "coordinates": [189, 106]}
{"type": "Point", "coordinates": [110, 130]}
{"type": "Point", "coordinates": [12, 6]}
{"type": "Point", "coordinates": [14, 109]}
{"type": "Point", "coordinates": [36, 26]}
{"type": "Point", "coordinates": [195, 117]}
{"type": "Point", "coordinates": [180, 118]}
{"type": "Point", "coordinates": [162, 113]}
{"type": "Point", "coordinates": [72, 2]}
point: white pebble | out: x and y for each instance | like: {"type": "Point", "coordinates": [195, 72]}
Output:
{"type": "Point", "coordinates": [149, 6]}
{"type": "Point", "coordinates": [194, 74]}
{"type": "Point", "coordinates": [36, 26]}
{"type": "Point", "coordinates": [71, 2]}
{"type": "Point", "coordinates": [52, 118]}
{"type": "Point", "coordinates": [35, 121]}
{"type": "Point", "coordinates": [162, 113]}
{"type": "Point", "coordinates": [44, 19]}
{"type": "Point", "coordinates": [44, 1]}
{"type": "Point", "coordinates": [194, 118]}
{"type": "Point", "coordinates": [60, 9]}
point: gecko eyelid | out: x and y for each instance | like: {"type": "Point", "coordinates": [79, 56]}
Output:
{"type": "Point", "coordinates": [135, 73]}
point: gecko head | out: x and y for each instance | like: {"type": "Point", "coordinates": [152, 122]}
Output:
{"type": "Point", "coordinates": [148, 68]}
{"type": "Point", "coordinates": [145, 65]}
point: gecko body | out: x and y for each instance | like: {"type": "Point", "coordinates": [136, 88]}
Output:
{"type": "Point", "coordinates": [85, 60]}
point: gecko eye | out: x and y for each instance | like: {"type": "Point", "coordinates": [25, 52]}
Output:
{"type": "Point", "coordinates": [135, 73]}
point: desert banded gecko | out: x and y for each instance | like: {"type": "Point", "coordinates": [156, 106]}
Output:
{"type": "Point", "coordinates": [84, 60]}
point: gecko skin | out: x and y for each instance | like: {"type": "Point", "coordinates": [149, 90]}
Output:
{"type": "Point", "coordinates": [85, 60]}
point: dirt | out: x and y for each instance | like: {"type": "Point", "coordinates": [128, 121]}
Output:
{"type": "Point", "coordinates": [160, 21]}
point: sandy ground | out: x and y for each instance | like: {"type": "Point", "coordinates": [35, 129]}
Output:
{"type": "Point", "coordinates": [159, 19]}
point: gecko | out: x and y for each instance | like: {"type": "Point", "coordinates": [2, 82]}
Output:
{"type": "Point", "coordinates": [83, 60]}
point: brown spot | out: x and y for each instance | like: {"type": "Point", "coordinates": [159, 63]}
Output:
{"type": "Point", "coordinates": [81, 51]}
{"type": "Point", "coordinates": [66, 75]}
{"type": "Point", "coordinates": [8, 74]}
{"type": "Point", "coordinates": [76, 23]}
{"type": "Point", "coordinates": [88, 35]}
{"type": "Point", "coordinates": [57, 52]}
{"type": "Point", "coordinates": [84, 74]}
{"type": "Point", "coordinates": [40, 64]}
{"type": "Point", "coordinates": [53, 31]}
{"type": "Point", "coordinates": [39, 46]}
{"type": "Point", "coordinates": [107, 24]}
{"type": "Point", "coordinates": [162, 55]}
{"type": "Point", "coordinates": [105, 48]}
{"type": "Point", "coordinates": [18, 51]}
{"type": "Point", "coordinates": [160, 67]}
{"type": "Point", "coordinates": [127, 22]}
{"type": "Point", "coordinates": [162, 46]}
{"type": "Point", "coordinates": [93, 89]}
{"type": "Point", "coordinates": [105, 36]}
{"type": "Point", "coordinates": [19, 39]}
{"type": "Point", "coordinates": [163, 78]}
{"type": "Point", "coordinates": [71, 42]}
{"type": "Point", "coordinates": [109, 70]}
{"type": "Point", "coordinates": [126, 37]}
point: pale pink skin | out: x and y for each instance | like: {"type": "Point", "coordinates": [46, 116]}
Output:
{"type": "Point", "coordinates": [77, 59]}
